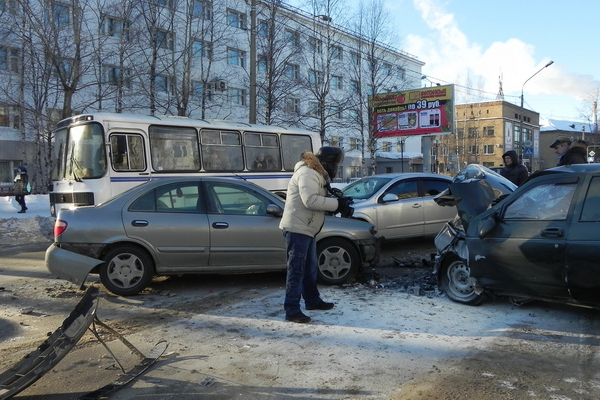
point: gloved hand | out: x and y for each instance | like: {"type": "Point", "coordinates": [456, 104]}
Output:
{"type": "Point", "coordinates": [344, 207]}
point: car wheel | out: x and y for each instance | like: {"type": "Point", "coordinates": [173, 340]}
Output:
{"type": "Point", "coordinates": [338, 261]}
{"type": "Point", "coordinates": [126, 271]}
{"type": "Point", "coordinates": [456, 282]}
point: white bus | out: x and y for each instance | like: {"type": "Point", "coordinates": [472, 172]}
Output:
{"type": "Point", "coordinates": [100, 155]}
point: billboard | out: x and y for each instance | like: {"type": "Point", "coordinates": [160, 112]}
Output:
{"type": "Point", "coordinates": [414, 112]}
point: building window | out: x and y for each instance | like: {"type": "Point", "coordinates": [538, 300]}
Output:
{"type": "Point", "coordinates": [313, 108]}
{"type": "Point", "coordinates": [315, 77]}
{"type": "Point", "coordinates": [473, 132]}
{"type": "Point", "coordinates": [292, 71]}
{"type": "Point", "coordinates": [335, 141]}
{"type": "Point", "coordinates": [292, 105]}
{"type": "Point", "coordinates": [386, 146]}
{"type": "Point", "coordinates": [488, 149]}
{"type": "Point", "coordinates": [353, 115]}
{"type": "Point", "coordinates": [262, 28]}
{"type": "Point", "coordinates": [164, 84]}
{"type": "Point", "coordinates": [401, 73]}
{"type": "Point", "coordinates": [202, 10]}
{"type": "Point", "coordinates": [336, 112]}
{"type": "Point", "coordinates": [115, 27]}
{"type": "Point", "coordinates": [336, 52]}
{"type": "Point", "coordinates": [8, 6]}
{"type": "Point", "coordinates": [165, 3]}
{"type": "Point", "coordinates": [201, 48]}
{"type": "Point", "coordinates": [488, 131]}
{"type": "Point", "coordinates": [116, 76]}
{"type": "Point", "coordinates": [472, 149]}
{"type": "Point", "coordinates": [355, 58]}
{"type": "Point", "coordinates": [262, 101]}
{"type": "Point", "coordinates": [386, 69]}
{"type": "Point", "coordinates": [262, 65]}
{"type": "Point", "coordinates": [164, 39]}
{"type": "Point", "coordinates": [315, 45]}
{"type": "Point", "coordinates": [60, 14]}
{"type": "Point", "coordinates": [4, 116]}
{"type": "Point", "coordinates": [236, 57]}
{"type": "Point", "coordinates": [336, 82]}
{"type": "Point", "coordinates": [9, 59]}
{"type": "Point", "coordinates": [198, 91]}
{"type": "Point", "coordinates": [354, 144]}
{"type": "Point", "coordinates": [355, 172]}
{"type": "Point", "coordinates": [292, 37]}
{"type": "Point", "coordinates": [460, 133]}
{"type": "Point", "coordinates": [236, 96]}
{"type": "Point", "coordinates": [236, 19]}
{"type": "Point", "coordinates": [371, 64]}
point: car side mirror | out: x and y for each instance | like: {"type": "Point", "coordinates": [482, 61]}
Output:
{"type": "Point", "coordinates": [389, 197]}
{"type": "Point", "coordinates": [485, 226]}
{"type": "Point", "coordinates": [274, 209]}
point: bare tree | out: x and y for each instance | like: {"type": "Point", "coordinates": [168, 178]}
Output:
{"type": "Point", "coordinates": [374, 69]}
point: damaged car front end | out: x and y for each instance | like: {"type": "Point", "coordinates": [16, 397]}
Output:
{"type": "Point", "coordinates": [535, 242]}
{"type": "Point", "coordinates": [472, 192]}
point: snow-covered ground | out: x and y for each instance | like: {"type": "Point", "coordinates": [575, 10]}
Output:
{"type": "Point", "coordinates": [33, 226]}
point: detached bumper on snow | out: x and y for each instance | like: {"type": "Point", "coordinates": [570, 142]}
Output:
{"type": "Point", "coordinates": [69, 265]}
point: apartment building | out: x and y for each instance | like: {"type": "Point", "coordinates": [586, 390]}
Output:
{"type": "Point", "coordinates": [247, 61]}
{"type": "Point", "coordinates": [483, 131]}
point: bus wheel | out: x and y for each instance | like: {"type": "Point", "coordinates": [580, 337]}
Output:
{"type": "Point", "coordinates": [126, 271]}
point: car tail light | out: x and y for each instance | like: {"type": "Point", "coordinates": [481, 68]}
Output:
{"type": "Point", "coordinates": [59, 227]}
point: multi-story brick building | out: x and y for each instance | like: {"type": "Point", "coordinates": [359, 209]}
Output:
{"type": "Point", "coordinates": [483, 132]}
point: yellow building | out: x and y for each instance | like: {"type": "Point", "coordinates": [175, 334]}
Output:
{"type": "Point", "coordinates": [483, 132]}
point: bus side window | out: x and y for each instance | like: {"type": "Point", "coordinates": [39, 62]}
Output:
{"type": "Point", "coordinates": [127, 152]}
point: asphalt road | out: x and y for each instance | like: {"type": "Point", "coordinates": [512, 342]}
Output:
{"type": "Point", "coordinates": [227, 339]}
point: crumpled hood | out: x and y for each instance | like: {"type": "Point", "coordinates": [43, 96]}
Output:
{"type": "Point", "coordinates": [473, 190]}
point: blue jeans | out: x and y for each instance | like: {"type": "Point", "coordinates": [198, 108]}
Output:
{"type": "Point", "coordinates": [301, 272]}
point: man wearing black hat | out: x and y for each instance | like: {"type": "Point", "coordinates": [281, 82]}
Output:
{"type": "Point", "coordinates": [303, 217]}
{"type": "Point", "coordinates": [570, 153]}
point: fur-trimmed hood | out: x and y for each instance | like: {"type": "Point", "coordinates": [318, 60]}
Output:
{"type": "Point", "coordinates": [311, 161]}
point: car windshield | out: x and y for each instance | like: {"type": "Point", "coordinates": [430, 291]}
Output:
{"type": "Point", "coordinates": [366, 187]}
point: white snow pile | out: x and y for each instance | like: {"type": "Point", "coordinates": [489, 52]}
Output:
{"type": "Point", "coordinates": [34, 226]}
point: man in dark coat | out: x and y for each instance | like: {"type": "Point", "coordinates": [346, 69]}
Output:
{"type": "Point", "coordinates": [20, 187]}
{"type": "Point", "coordinates": [570, 153]}
{"type": "Point", "coordinates": [513, 170]}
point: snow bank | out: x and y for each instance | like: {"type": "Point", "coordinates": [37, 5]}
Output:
{"type": "Point", "coordinates": [34, 226]}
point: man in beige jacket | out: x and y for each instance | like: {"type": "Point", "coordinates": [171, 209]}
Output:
{"type": "Point", "coordinates": [303, 217]}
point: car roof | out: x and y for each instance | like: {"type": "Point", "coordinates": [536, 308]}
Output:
{"type": "Point", "coordinates": [395, 175]}
{"type": "Point", "coordinates": [568, 169]}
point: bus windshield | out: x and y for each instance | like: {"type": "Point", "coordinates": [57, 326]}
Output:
{"type": "Point", "coordinates": [80, 153]}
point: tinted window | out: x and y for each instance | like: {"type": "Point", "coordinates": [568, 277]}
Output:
{"type": "Point", "coordinates": [174, 198]}
{"type": "Point", "coordinates": [404, 189]}
{"type": "Point", "coordinates": [433, 187]}
{"type": "Point", "coordinates": [591, 206]}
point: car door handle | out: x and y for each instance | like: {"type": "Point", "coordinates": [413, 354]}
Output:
{"type": "Point", "coordinates": [220, 225]}
{"type": "Point", "coordinates": [139, 222]}
{"type": "Point", "coordinates": [416, 205]}
{"type": "Point", "coordinates": [553, 232]}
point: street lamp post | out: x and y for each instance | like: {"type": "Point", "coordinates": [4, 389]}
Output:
{"type": "Point", "coordinates": [522, 141]}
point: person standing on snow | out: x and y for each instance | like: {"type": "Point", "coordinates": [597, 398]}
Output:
{"type": "Point", "coordinates": [303, 217]}
{"type": "Point", "coordinates": [513, 170]}
{"type": "Point", "coordinates": [20, 187]}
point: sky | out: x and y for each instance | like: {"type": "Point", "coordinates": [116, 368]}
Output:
{"type": "Point", "coordinates": [475, 44]}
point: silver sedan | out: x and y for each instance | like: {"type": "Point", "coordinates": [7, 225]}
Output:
{"type": "Point", "coordinates": [194, 225]}
{"type": "Point", "coordinates": [401, 205]}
